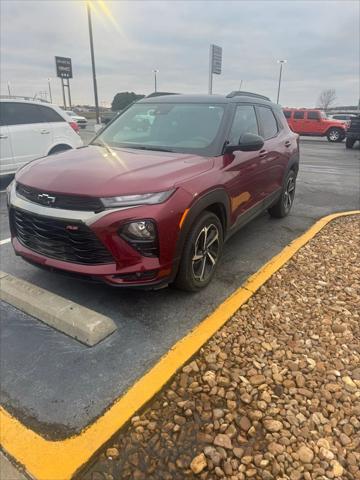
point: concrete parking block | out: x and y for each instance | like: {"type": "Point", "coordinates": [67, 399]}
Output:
{"type": "Point", "coordinates": [76, 321]}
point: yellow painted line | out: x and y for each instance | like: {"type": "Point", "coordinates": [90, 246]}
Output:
{"type": "Point", "coordinates": [60, 460]}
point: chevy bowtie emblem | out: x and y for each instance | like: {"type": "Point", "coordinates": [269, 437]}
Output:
{"type": "Point", "coordinates": [46, 199]}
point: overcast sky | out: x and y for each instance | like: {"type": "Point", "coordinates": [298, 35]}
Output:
{"type": "Point", "coordinates": [319, 39]}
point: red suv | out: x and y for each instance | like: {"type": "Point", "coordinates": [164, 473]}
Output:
{"type": "Point", "coordinates": [154, 205]}
{"type": "Point", "coordinates": [315, 123]}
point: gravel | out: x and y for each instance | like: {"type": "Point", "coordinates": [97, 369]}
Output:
{"type": "Point", "coordinates": [274, 395]}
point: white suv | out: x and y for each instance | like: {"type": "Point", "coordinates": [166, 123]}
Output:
{"type": "Point", "coordinates": [30, 129]}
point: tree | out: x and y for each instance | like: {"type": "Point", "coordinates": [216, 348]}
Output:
{"type": "Point", "coordinates": [326, 98]}
{"type": "Point", "coordinates": [123, 99]}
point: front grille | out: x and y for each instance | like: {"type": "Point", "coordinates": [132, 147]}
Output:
{"type": "Point", "coordinates": [66, 202]}
{"type": "Point", "coordinates": [61, 239]}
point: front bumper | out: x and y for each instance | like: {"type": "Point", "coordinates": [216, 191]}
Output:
{"type": "Point", "coordinates": [129, 267]}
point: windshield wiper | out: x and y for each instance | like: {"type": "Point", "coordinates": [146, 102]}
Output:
{"type": "Point", "coordinates": [155, 149]}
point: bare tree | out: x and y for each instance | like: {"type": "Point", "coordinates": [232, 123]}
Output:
{"type": "Point", "coordinates": [326, 98]}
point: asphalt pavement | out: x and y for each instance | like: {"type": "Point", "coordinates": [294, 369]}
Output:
{"type": "Point", "coordinates": [57, 386]}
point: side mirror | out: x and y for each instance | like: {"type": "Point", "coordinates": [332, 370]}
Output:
{"type": "Point", "coordinates": [249, 142]}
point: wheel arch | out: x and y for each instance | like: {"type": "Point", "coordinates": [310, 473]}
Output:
{"type": "Point", "coordinates": [59, 147]}
{"type": "Point", "coordinates": [217, 202]}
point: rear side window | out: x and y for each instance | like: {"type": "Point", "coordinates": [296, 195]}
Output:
{"type": "Point", "coordinates": [244, 122]}
{"type": "Point", "coordinates": [21, 113]}
{"type": "Point", "coordinates": [268, 122]}
{"type": "Point", "coordinates": [298, 115]}
{"type": "Point", "coordinates": [313, 115]}
{"type": "Point", "coordinates": [287, 113]}
{"type": "Point", "coordinates": [50, 115]}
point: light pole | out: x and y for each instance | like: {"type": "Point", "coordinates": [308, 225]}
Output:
{"type": "Point", "coordinates": [93, 63]}
{"type": "Point", "coordinates": [155, 80]}
{"type": "Point", "coordinates": [280, 73]}
{"type": "Point", "coordinates": [49, 85]}
{"type": "Point", "coordinates": [8, 85]}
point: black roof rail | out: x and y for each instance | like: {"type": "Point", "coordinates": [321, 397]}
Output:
{"type": "Point", "coordinates": [240, 93]}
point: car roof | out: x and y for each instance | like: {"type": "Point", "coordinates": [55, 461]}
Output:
{"type": "Point", "coordinates": [211, 99]}
{"type": "Point", "coordinates": [31, 101]}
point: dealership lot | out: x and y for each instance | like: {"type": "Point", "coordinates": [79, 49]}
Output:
{"type": "Point", "coordinates": [57, 386]}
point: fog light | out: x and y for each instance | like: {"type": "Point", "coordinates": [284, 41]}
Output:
{"type": "Point", "coordinates": [142, 236]}
{"type": "Point", "coordinates": [141, 230]}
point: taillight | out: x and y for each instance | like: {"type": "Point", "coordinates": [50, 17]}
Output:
{"type": "Point", "coordinates": [75, 126]}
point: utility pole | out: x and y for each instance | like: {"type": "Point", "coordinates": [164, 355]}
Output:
{"type": "Point", "coordinates": [49, 90]}
{"type": "Point", "coordinates": [280, 74]}
{"type": "Point", "coordinates": [93, 63]}
{"type": "Point", "coordinates": [155, 80]}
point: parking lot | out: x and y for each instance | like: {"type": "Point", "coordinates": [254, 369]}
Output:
{"type": "Point", "coordinates": [56, 386]}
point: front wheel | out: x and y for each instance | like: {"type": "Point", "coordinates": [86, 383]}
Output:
{"type": "Point", "coordinates": [283, 206]}
{"type": "Point", "coordinates": [335, 135]}
{"type": "Point", "coordinates": [201, 253]}
{"type": "Point", "coordinates": [349, 142]}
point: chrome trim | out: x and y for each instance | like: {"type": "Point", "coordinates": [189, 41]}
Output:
{"type": "Point", "coordinates": [86, 217]}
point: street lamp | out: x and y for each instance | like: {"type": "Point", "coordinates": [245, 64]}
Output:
{"type": "Point", "coordinates": [50, 95]}
{"type": "Point", "coordinates": [280, 73]}
{"type": "Point", "coordinates": [93, 63]}
{"type": "Point", "coordinates": [155, 72]}
{"type": "Point", "coordinates": [8, 85]}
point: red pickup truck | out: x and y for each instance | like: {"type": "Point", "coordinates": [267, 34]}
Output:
{"type": "Point", "coordinates": [314, 122]}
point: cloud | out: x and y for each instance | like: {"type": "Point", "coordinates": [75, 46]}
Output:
{"type": "Point", "coordinates": [319, 39]}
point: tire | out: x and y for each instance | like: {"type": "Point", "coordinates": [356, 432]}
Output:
{"type": "Point", "coordinates": [59, 148]}
{"type": "Point", "coordinates": [335, 135]}
{"type": "Point", "coordinates": [196, 273]}
{"type": "Point", "coordinates": [283, 206]}
{"type": "Point", "coordinates": [349, 142]}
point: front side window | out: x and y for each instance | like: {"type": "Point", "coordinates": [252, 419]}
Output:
{"type": "Point", "coordinates": [175, 127]}
{"type": "Point", "coordinates": [313, 115]}
{"type": "Point", "coordinates": [17, 113]}
{"type": "Point", "coordinates": [244, 122]}
{"type": "Point", "coordinates": [268, 122]}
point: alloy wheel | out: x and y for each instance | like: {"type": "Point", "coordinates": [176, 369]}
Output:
{"type": "Point", "coordinates": [206, 252]}
{"type": "Point", "coordinates": [334, 135]}
{"type": "Point", "coordinates": [289, 193]}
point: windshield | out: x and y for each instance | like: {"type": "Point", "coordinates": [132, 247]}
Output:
{"type": "Point", "coordinates": [71, 113]}
{"type": "Point", "coordinates": [175, 127]}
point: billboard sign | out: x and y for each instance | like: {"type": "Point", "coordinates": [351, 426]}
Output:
{"type": "Point", "coordinates": [216, 59]}
{"type": "Point", "coordinates": [63, 67]}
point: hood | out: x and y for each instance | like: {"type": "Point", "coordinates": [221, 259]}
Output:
{"type": "Point", "coordinates": [101, 172]}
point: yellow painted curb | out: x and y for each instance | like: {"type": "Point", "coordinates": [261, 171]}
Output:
{"type": "Point", "coordinates": [60, 460]}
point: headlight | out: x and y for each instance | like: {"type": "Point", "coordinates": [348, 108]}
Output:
{"type": "Point", "coordinates": [142, 199]}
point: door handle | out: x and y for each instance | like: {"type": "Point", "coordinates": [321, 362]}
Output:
{"type": "Point", "coordinates": [287, 143]}
{"type": "Point", "coordinates": [44, 131]}
{"type": "Point", "coordinates": [3, 136]}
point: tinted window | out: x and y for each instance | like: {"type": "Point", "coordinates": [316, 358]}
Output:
{"type": "Point", "coordinates": [244, 122]}
{"type": "Point", "coordinates": [287, 113]}
{"type": "Point", "coordinates": [267, 122]}
{"type": "Point", "coordinates": [313, 115]}
{"type": "Point", "coordinates": [21, 113]}
{"type": "Point", "coordinates": [50, 115]}
{"type": "Point", "coordinates": [299, 115]}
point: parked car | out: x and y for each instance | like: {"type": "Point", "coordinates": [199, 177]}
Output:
{"type": "Point", "coordinates": [315, 123]}
{"type": "Point", "coordinates": [31, 129]}
{"type": "Point", "coordinates": [342, 116]}
{"type": "Point", "coordinates": [353, 132]}
{"type": "Point", "coordinates": [153, 207]}
{"type": "Point", "coordinates": [106, 117]}
{"type": "Point", "coordinates": [81, 121]}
